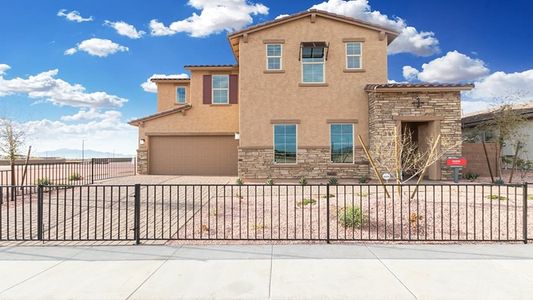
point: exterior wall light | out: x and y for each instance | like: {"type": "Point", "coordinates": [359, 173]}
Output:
{"type": "Point", "coordinates": [142, 141]}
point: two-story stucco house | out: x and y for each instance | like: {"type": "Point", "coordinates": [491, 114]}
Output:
{"type": "Point", "coordinates": [302, 90]}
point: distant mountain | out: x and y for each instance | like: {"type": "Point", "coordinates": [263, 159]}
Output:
{"type": "Point", "coordinates": [76, 153]}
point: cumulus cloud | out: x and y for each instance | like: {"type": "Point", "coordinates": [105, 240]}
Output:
{"type": "Point", "coordinates": [501, 85]}
{"type": "Point", "coordinates": [215, 16]}
{"type": "Point", "coordinates": [452, 67]}
{"type": "Point", "coordinates": [281, 16]}
{"type": "Point", "coordinates": [73, 16]}
{"type": "Point", "coordinates": [46, 86]}
{"type": "Point", "coordinates": [103, 131]}
{"type": "Point", "coordinates": [125, 29]}
{"type": "Point", "coordinates": [90, 114]}
{"type": "Point", "coordinates": [151, 87]}
{"type": "Point", "coordinates": [410, 40]}
{"type": "Point", "coordinates": [97, 47]}
{"type": "Point", "coordinates": [4, 68]}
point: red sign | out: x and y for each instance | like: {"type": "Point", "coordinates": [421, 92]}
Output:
{"type": "Point", "coordinates": [456, 162]}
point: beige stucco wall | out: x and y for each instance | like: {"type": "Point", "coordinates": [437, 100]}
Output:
{"type": "Point", "coordinates": [265, 97]}
{"type": "Point", "coordinates": [166, 95]}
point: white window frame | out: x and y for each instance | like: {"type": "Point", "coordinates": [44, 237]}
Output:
{"type": "Point", "coordinates": [354, 55]}
{"type": "Point", "coordinates": [274, 144]}
{"type": "Point", "coordinates": [274, 56]}
{"type": "Point", "coordinates": [177, 95]}
{"type": "Point", "coordinates": [219, 89]}
{"type": "Point", "coordinates": [313, 63]}
{"type": "Point", "coordinates": [353, 143]}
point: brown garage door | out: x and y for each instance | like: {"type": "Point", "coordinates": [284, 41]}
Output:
{"type": "Point", "coordinates": [193, 155]}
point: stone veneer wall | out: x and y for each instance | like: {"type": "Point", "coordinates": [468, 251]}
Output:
{"type": "Point", "coordinates": [385, 107]}
{"type": "Point", "coordinates": [313, 163]}
{"type": "Point", "coordinates": [142, 162]}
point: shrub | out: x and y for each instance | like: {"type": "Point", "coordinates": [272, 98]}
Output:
{"type": "Point", "coordinates": [307, 202]}
{"type": "Point", "coordinates": [530, 197]}
{"type": "Point", "coordinates": [332, 181]}
{"type": "Point", "coordinates": [302, 181]}
{"type": "Point", "coordinates": [364, 179]}
{"type": "Point", "coordinates": [361, 194]}
{"type": "Point", "coordinates": [352, 217]}
{"type": "Point", "coordinates": [44, 181]}
{"type": "Point", "coordinates": [270, 181]}
{"type": "Point", "coordinates": [499, 182]}
{"type": "Point", "coordinates": [74, 176]}
{"type": "Point", "coordinates": [330, 195]}
{"type": "Point", "coordinates": [239, 181]}
{"type": "Point", "coordinates": [497, 197]}
{"type": "Point", "coordinates": [471, 176]}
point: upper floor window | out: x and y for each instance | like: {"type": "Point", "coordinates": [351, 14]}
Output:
{"type": "Point", "coordinates": [354, 52]}
{"type": "Point", "coordinates": [313, 62]}
{"type": "Point", "coordinates": [341, 136]}
{"type": "Point", "coordinates": [273, 56]}
{"type": "Point", "coordinates": [180, 95]}
{"type": "Point", "coordinates": [285, 144]}
{"type": "Point", "coordinates": [220, 89]}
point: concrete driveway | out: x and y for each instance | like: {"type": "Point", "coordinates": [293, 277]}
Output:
{"type": "Point", "coordinates": [356, 271]}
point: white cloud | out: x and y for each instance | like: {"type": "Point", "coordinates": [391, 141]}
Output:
{"type": "Point", "coordinates": [46, 86]}
{"type": "Point", "coordinates": [410, 40]}
{"type": "Point", "coordinates": [125, 29]}
{"type": "Point", "coordinates": [452, 67]}
{"type": "Point", "coordinates": [104, 131]}
{"type": "Point", "coordinates": [281, 16]}
{"type": "Point", "coordinates": [90, 114]}
{"type": "Point", "coordinates": [4, 68]}
{"type": "Point", "coordinates": [97, 47]}
{"type": "Point", "coordinates": [73, 16]}
{"type": "Point", "coordinates": [151, 87]}
{"type": "Point", "coordinates": [215, 16]}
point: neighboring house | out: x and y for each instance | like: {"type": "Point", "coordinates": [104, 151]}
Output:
{"type": "Point", "coordinates": [471, 122]}
{"type": "Point", "coordinates": [304, 87]}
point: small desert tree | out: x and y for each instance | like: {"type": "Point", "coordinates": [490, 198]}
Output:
{"type": "Point", "coordinates": [11, 142]}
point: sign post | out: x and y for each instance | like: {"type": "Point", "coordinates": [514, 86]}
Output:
{"type": "Point", "coordinates": [456, 163]}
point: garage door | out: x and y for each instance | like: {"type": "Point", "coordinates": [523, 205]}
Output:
{"type": "Point", "coordinates": [193, 155]}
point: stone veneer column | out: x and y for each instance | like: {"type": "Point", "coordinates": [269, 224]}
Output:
{"type": "Point", "coordinates": [142, 162]}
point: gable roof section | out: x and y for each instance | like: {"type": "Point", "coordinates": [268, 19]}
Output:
{"type": "Point", "coordinates": [234, 37]}
{"type": "Point", "coordinates": [474, 119]}
{"type": "Point", "coordinates": [160, 114]}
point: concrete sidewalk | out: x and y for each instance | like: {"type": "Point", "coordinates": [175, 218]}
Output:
{"type": "Point", "coordinates": [370, 271]}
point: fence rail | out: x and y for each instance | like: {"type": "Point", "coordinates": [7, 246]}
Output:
{"type": "Point", "coordinates": [444, 213]}
{"type": "Point", "coordinates": [81, 172]}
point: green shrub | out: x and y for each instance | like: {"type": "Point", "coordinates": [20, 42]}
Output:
{"type": "Point", "coordinates": [364, 179]}
{"type": "Point", "coordinates": [270, 181]}
{"type": "Point", "coordinates": [332, 181]}
{"type": "Point", "coordinates": [497, 197]}
{"type": "Point", "coordinates": [352, 217]}
{"type": "Point", "coordinates": [361, 194]}
{"type": "Point", "coordinates": [472, 176]}
{"type": "Point", "coordinates": [530, 197]}
{"type": "Point", "coordinates": [307, 202]}
{"type": "Point", "coordinates": [302, 181]}
{"type": "Point", "coordinates": [44, 181]}
{"type": "Point", "coordinates": [499, 182]}
{"type": "Point", "coordinates": [239, 181]}
{"type": "Point", "coordinates": [74, 176]}
{"type": "Point", "coordinates": [330, 195]}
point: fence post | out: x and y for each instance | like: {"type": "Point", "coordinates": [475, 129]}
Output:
{"type": "Point", "coordinates": [137, 214]}
{"type": "Point", "coordinates": [40, 212]}
{"type": "Point", "coordinates": [524, 212]}
{"type": "Point", "coordinates": [327, 213]}
{"type": "Point", "coordinates": [92, 170]}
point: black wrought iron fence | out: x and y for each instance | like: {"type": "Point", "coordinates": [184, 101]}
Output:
{"type": "Point", "coordinates": [434, 212]}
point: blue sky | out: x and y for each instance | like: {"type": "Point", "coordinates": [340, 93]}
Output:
{"type": "Point", "coordinates": [90, 91]}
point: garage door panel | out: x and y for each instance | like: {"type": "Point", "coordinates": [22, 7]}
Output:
{"type": "Point", "coordinates": [193, 155]}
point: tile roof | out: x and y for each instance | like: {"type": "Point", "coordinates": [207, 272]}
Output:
{"type": "Point", "coordinates": [476, 118]}
{"type": "Point", "coordinates": [384, 86]}
{"type": "Point", "coordinates": [169, 79]}
{"type": "Point", "coordinates": [160, 114]}
{"type": "Point", "coordinates": [211, 66]}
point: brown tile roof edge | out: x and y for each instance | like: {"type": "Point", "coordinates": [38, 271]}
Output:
{"type": "Point", "coordinates": [418, 86]}
{"type": "Point", "coordinates": [167, 112]}
{"type": "Point", "coordinates": [169, 79]}
{"type": "Point", "coordinates": [308, 12]}
{"type": "Point", "coordinates": [477, 118]}
{"type": "Point", "coordinates": [211, 66]}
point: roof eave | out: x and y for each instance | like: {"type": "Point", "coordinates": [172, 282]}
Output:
{"type": "Point", "coordinates": [419, 89]}
{"type": "Point", "coordinates": [140, 121]}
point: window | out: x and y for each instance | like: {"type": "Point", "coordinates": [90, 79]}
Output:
{"type": "Point", "coordinates": [273, 61]}
{"type": "Point", "coordinates": [180, 95]}
{"type": "Point", "coordinates": [285, 143]}
{"type": "Point", "coordinates": [353, 55]}
{"type": "Point", "coordinates": [341, 136]}
{"type": "Point", "coordinates": [220, 89]}
{"type": "Point", "coordinates": [313, 62]}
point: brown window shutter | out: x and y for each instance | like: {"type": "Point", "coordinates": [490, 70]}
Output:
{"type": "Point", "coordinates": [234, 89]}
{"type": "Point", "coordinates": [207, 89]}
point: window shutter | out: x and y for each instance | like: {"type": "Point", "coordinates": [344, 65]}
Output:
{"type": "Point", "coordinates": [234, 89]}
{"type": "Point", "coordinates": [207, 89]}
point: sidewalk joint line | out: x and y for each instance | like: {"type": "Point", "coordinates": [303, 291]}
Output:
{"type": "Point", "coordinates": [270, 277]}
